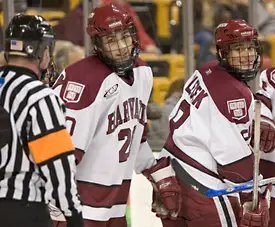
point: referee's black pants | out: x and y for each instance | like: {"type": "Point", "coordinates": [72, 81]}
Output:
{"type": "Point", "coordinates": [15, 213]}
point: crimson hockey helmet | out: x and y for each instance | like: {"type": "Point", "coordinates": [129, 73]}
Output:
{"type": "Point", "coordinates": [238, 49]}
{"type": "Point", "coordinates": [29, 36]}
{"type": "Point", "coordinates": [114, 37]}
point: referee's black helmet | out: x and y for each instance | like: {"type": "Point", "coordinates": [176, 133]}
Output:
{"type": "Point", "coordinates": [29, 36]}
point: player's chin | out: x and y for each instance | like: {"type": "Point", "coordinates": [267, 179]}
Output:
{"type": "Point", "coordinates": [247, 67]}
{"type": "Point", "coordinates": [122, 59]}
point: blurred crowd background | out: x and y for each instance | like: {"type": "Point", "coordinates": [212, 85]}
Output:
{"type": "Point", "coordinates": [160, 29]}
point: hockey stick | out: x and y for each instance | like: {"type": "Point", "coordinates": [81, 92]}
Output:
{"type": "Point", "coordinates": [185, 177]}
{"type": "Point", "coordinates": [240, 187]}
{"type": "Point", "coordinates": [257, 134]}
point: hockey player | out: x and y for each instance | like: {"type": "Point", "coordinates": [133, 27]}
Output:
{"type": "Point", "coordinates": [106, 96]}
{"type": "Point", "coordinates": [267, 140]}
{"type": "Point", "coordinates": [210, 130]}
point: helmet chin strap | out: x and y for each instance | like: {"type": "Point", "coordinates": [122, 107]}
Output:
{"type": "Point", "coordinates": [51, 72]}
{"type": "Point", "coordinates": [238, 75]}
{"type": "Point", "coordinates": [49, 75]}
{"type": "Point", "coordinates": [134, 54]}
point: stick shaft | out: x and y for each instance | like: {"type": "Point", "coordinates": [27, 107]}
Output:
{"type": "Point", "coordinates": [257, 134]}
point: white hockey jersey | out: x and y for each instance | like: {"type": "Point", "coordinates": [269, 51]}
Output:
{"type": "Point", "coordinates": [106, 117]}
{"type": "Point", "coordinates": [210, 128]}
{"type": "Point", "coordinates": [267, 95]}
{"type": "Point", "coordinates": [267, 92]}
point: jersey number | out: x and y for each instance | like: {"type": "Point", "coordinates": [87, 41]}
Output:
{"type": "Point", "coordinates": [124, 134]}
{"type": "Point", "coordinates": [181, 115]}
{"type": "Point", "coordinates": [127, 135]}
{"type": "Point", "coordinates": [70, 124]}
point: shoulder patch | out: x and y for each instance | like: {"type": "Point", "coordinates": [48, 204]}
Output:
{"type": "Point", "coordinates": [81, 82]}
{"type": "Point", "coordinates": [232, 97]}
{"type": "Point", "coordinates": [237, 108]}
{"type": "Point", "coordinates": [73, 92]}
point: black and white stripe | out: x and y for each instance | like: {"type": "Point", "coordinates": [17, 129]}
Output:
{"type": "Point", "coordinates": [225, 211]}
{"type": "Point", "coordinates": [35, 111]}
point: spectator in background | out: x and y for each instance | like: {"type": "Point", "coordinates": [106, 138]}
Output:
{"type": "Point", "coordinates": [154, 110]}
{"type": "Point", "coordinates": [2, 59]}
{"type": "Point", "coordinates": [66, 53]}
{"type": "Point", "coordinates": [266, 49]}
{"type": "Point", "coordinates": [203, 24]}
{"type": "Point", "coordinates": [159, 128]}
{"type": "Point", "coordinates": [207, 53]}
{"type": "Point", "coordinates": [20, 6]}
{"type": "Point", "coordinates": [231, 9]}
{"type": "Point", "coordinates": [266, 18]}
{"type": "Point", "coordinates": [65, 31]}
{"type": "Point", "coordinates": [70, 27]}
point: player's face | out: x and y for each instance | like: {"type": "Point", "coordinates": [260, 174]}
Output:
{"type": "Point", "coordinates": [242, 55]}
{"type": "Point", "coordinates": [118, 45]}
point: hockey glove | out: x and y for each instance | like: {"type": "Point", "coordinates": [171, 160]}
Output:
{"type": "Point", "coordinates": [163, 179]}
{"type": "Point", "coordinates": [267, 138]}
{"type": "Point", "coordinates": [158, 207]}
{"type": "Point", "coordinates": [260, 216]}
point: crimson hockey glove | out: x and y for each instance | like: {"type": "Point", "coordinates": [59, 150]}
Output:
{"type": "Point", "coordinates": [267, 138]}
{"type": "Point", "coordinates": [158, 207]}
{"type": "Point", "coordinates": [163, 179]}
{"type": "Point", "coordinates": [260, 216]}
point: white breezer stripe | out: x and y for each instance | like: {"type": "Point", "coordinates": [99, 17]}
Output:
{"type": "Point", "coordinates": [220, 212]}
{"type": "Point", "coordinates": [230, 211]}
{"type": "Point", "coordinates": [103, 214]}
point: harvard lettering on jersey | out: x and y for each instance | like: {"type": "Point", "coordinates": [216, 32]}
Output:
{"type": "Point", "coordinates": [208, 107]}
{"type": "Point", "coordinates": [37, 161]}
{"type": "Point", "coordinates": [106, 116]}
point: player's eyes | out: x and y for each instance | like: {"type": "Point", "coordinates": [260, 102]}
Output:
{"type": "Point", "coordinates": [126, 36]}
{"type": "Point", "coordinates": [240, 49]}
{"type": "Point", "coordinates": [110, 40]}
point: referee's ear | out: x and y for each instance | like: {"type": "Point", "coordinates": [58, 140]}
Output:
{"type": "Point", "coordinates": [5, 127]}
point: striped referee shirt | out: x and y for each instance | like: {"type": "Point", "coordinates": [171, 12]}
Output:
{"type": "Point", "coordinates": [37, 163]}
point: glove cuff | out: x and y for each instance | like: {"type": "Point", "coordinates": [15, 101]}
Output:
{"type": "Point", "coordinates": [161, 163]}
{"type": "Point", "coordinates": [163, 173]}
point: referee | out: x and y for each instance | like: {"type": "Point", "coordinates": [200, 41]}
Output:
{"type": "Point", "coordinates": [37, 163]}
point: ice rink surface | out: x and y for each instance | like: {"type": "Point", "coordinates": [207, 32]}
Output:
{"type": "Point", "coordinates": [141, 200]}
